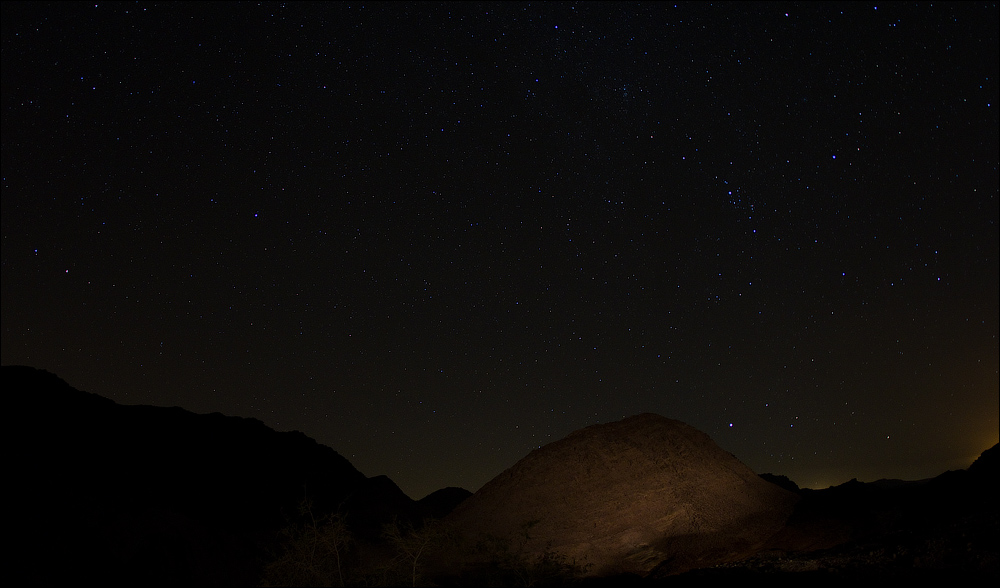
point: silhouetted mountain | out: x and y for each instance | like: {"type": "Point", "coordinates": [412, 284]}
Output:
{"type": "Point", "coordinates": [986, 468]}
{"type": "Point", "coordinates": [944, 528]}
{"type": "Point", "coordinates": [380, 502]}
{"type": "Point", "coordinates": [147, 495]}
{"type": "Point", "coordinates": [141, 495]}
{"type": "Point", "coordinates": [781, 481]}
{"type": "Point", "coordinates": [441, 502]}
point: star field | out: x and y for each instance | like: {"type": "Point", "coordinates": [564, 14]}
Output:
{"type": "Point", "coordinates": [436, 236]}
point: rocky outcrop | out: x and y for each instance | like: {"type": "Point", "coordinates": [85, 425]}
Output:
{"type": "Point", "coordinates": [626, 497]}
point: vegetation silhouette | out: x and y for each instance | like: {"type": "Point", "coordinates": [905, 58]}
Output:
{"type": "Point", "coordinates": [323, 552]}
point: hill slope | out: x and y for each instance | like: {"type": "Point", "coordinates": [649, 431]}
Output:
{"type": "Point", "coordinates": [625, 496]}
{"type": "Point", "coordinates": [144, 495]}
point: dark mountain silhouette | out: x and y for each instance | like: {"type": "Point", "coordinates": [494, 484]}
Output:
{"type": "Point", "coordinates": [940, 529]}
{"type": "Point", "coordinates": [626, 497]}
{"type": "Point", "coordinates": [141, 495]}
{"type": "Point", "coordinates": [859, 511]}
{"type": "Point", "coordinates": [986, 468]}
{"type": "Point", "coordinates": [146, 495]}
{"type": "Point", "coordinates": [782, 481]}
{"type": "Point", "coordinates": [441, 502]}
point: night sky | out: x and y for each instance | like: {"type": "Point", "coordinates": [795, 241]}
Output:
{"type": "Point", "coordinates": [435, 236]}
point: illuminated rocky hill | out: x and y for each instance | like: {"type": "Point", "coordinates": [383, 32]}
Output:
{"type": "Point", "coordinates": [627, 496]}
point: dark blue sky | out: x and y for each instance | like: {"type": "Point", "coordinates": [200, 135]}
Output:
{"type": "Point", "coordinates": [435, 236]}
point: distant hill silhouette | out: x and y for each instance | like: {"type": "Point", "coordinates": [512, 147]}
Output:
{"type": "Point", "coordinates": [441, 502]}
{"type": "Point", "coordinates": [146, 495]}
{"type": "Point", "coordinates": [624, 497]}
{"type": "Point", "coordinates": [986, 468]}
{"type": "Point", "coordinates": [943, 529]}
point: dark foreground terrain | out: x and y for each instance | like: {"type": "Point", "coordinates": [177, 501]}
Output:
{"type": "Point", "coordinates": [943, 529]}
{"type": "Point", "coordinates": [147, 496]}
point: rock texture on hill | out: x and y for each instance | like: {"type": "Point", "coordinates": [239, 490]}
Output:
{"type": "Point", "coordinates": [628, 496]}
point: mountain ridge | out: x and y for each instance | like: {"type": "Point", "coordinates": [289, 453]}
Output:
{"type": "Point", "coordinates": [161, 496]}
{"type": "Point", "coordinates": [213, 488]}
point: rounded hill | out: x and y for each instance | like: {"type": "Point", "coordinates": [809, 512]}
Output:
{"type": "Point", "coordinates": [629, 496]}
